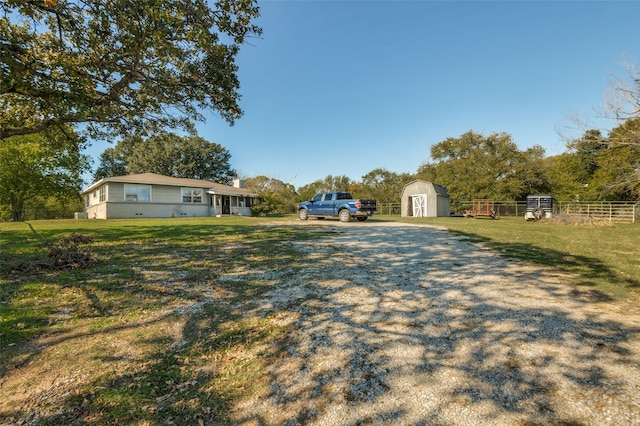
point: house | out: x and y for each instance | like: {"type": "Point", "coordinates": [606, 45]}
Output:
{"type": "Point", "coordinates": [424, 199]}
{"type": "Point", "coordinates": [153, 195]}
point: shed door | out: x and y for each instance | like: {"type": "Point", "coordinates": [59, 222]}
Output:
{"type": "Point", "coordinates": [419, 205]}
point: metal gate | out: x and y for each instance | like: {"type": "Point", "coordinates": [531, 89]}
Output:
{"type": "Point", "coordinates": [419, 205]}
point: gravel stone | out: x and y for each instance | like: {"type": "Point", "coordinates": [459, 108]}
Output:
{"type": "Point", "coordinates": [411, 325]}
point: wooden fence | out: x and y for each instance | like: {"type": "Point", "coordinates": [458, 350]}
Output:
{"type": "Point", "coordinates": [620, 212]}
{"type": "Point", "coordinates": [389, 209]}
{"type": "Point", "coordinates": [502, 208]}
{"type": "Point", "coordinates": [609, 212]}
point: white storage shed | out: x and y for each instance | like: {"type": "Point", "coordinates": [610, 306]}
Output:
{"type": "Point", "coordinates": [424, 199]}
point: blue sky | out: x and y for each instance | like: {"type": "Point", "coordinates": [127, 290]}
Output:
{"type": "Point", "coordinates": [345, 87]}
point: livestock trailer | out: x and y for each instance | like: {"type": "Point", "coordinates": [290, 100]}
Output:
{"type": "Point", "coordinates": [539, 207]}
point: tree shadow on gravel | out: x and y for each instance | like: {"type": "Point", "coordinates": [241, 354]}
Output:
{"type": "Point", "coordinates": [360, 324]}
{"type": "Point", "coordinates": [411, 325]}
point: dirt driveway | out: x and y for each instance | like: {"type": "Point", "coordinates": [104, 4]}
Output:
{"type": "Point", "coordinates": [409, 325]}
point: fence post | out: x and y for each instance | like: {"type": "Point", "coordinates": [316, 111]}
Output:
{"type": "Point", "coordinates": [610, 211]}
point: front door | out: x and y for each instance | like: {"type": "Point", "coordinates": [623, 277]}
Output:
{"type": "Point", "coordinates": [226, 204]}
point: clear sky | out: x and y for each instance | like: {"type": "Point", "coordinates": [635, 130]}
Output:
{"type": "Point", "coordinates": [345, 87]}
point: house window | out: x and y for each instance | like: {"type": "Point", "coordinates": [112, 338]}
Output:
{"type": "Point", "coordinates": [137, 193]}
{"type": "Point", "coordinates": [191, 195]}
{"type": "Point", "coordinates": [103, 193]}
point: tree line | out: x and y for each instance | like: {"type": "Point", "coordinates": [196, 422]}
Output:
{"type": "Point", "coordinates": [72, 72]}
{"type": "Point", "coordinates": [44, 173]}
{"type": "Point", "coordinates": [594, 168]}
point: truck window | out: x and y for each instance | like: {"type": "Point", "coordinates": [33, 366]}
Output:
{"type": "Point", "coordinates": [344, 196]}
{"type": "Point", "coordinates": [318, 197]}
{"type": "Point", "coordinates": [328, 197]}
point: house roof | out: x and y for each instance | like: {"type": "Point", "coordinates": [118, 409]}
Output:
{"type": "Point", "coordinates": [156, 179]}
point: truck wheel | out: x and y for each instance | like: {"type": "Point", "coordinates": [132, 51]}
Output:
{"type": "Point", "coordinates": [302, 214]}
{"type": "Point", "coordinates": [362, 218]}
{"type": "Point", "coordinates": [344, 215]}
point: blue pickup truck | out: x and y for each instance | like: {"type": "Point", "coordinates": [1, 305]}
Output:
{"type": "Point", "coordinates": [340, 204]}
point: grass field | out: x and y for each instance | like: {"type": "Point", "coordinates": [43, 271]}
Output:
{"type": "Point", "coordinates": [130, 340]}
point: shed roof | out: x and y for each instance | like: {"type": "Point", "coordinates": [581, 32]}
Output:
{"type": "Point", "coordinates": [440, 190]}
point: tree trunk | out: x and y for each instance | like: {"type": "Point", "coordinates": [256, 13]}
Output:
{"type": "Point", "coordinates": [17, 211]}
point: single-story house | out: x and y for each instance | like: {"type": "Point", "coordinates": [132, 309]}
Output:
{"type": "Point", "coordinates": [424, 199]}
{"type": "Point", "coordinates": [153, 195]}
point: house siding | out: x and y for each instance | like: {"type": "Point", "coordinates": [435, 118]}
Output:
{"type": "Point", "coordinates": [123, 210]}
{"type": "Point", "coordinates": [115, 192]}
{"type": "Point", "coordinates": [165, 201]}
{"type": "Point", "coordinates": [97, 211]}
{"type": "Point", "coordinates": [166, 194]}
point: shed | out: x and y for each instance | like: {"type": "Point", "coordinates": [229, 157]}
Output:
{"type": "Point", "coordinates": [424, 199]}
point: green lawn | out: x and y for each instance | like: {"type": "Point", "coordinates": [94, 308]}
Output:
{"type": "Point", "coordinates": [130, 357]}
{"type": "Point", "coordinates": [113, 324]}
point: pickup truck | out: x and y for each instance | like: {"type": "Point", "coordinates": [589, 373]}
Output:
{"type": "Point", "coordinates": [340, 204]}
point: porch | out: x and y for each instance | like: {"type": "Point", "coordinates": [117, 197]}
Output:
{"type": "Point", "coordinates": [229, 205]}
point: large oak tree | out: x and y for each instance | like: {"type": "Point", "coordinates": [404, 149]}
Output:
{"type": "Point", "coordinates": [35, 166]}
{"type": "Point", "coordinates": [618, 173]}
{"type": "Point", "coordinates": [383, 185]}
{"type": "Point", "coordinates": [168, 154]}
{"type": "Point", "coordinates": [119, 66]}
{"type": "Point", "coordinates": [329, 184]}
{"type": "Point", "coordinates": [598, 167]}
{"type": "Point", "coordinates": [478, 166]}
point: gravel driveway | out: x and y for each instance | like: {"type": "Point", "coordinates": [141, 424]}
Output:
{"type": "Point", "coordinates": [409, 325]}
